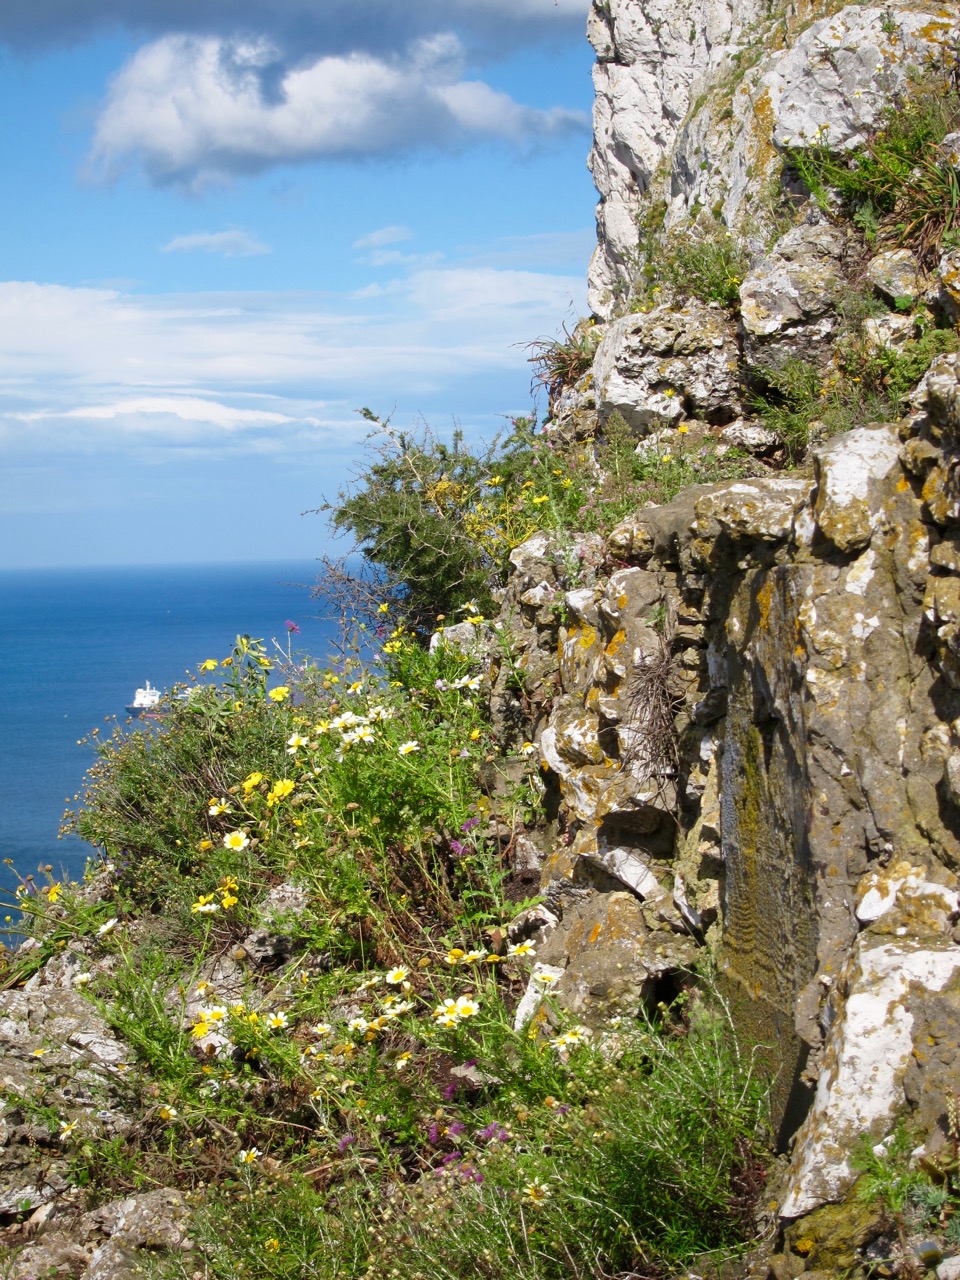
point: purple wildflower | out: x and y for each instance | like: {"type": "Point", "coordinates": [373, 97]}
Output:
{"type": "Point", "coordinates": [494, 1132]}
{"type": "Point", "coordinates": [455, 1128]}
{"type": "Point", "coordinates": [347, 1140]}
{"type": "Point", "coordinates": [470, 824]}
{"type": "Point", "coordinates": [450, 1090]}
{"type": "Point", "coordinates": [433, 1134]}
{"type": "Point", "coordinates": [292, 627]}
{"type": "Point", "coordinates": [457, 848]}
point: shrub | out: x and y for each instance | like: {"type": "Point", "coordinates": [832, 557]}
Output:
{"type": "Point", "coordinates": [866, 383]}
{"type": "Point", "coordinates": [436, 523]}
{"type": "Point", "coordinates": [560, 364]}
{"type": "Point", "coordinates": [406, 513]}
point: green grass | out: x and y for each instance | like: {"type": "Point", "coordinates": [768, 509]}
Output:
{"type": "Point", "coordinates": [899, 188]}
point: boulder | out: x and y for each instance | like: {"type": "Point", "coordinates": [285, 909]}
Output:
{"type": "Point", "coordinates": [845, 470]}
{"type": "Point", "coordinates": [787, 301]}
{"type": "Point", "coordinates": [895, 275]}
{"type": "Point", "coordinates": [879, 1031]}
{"type": "Point", "coordinates": [658, 368]}
{"type": "Point", "coordinates": [612, 961]}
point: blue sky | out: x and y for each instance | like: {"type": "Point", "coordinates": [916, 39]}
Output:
{"type": "Point", "coordinates": [228, 225]}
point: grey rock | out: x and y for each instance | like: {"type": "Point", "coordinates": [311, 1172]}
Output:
{"type": "Point", "coordinates": [614, 960]}
{"type": "Point", "coordinates": [470, 638]}
{"type": "Point", "coordinates": [846, 468]}
{"type": "Point", "coordinates": [750, 436]}
{"type": "Point", "coordinates": [895, 274]}
{"type": "Point", "coordinates": [265, 949]}
{"type": "Point", "coordinates": [889, 331]}
{"type": "Point", "coordinates": [786, 302]}
{"type": "Point", "coordinates": [946, 294]}
{"type": "Point", "coordinates": [286, 899]}
{"type": "Point", "coordinates": [658, 368]}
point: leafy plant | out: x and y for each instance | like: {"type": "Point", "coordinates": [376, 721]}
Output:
{"type": "Point", "coordinates": [886, 1175]}
{"type": "Point", "coordinates": [788, 399]}
{"type": "Point", "coordinates": [900, 187]}
{"type": "Point", "coordinates": [705, 261]}
{"type": "Point", "coordinates": [868, 382]}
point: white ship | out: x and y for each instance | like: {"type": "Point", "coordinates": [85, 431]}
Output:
{"type": "Point", "coordinates": [145, 701]}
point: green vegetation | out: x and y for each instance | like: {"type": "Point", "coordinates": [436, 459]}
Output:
{"type": "Point", "coordinates": [867, 381]}
{"type": "Point", "coordinates": [704, 261]}
{"type": "Point", "coordinates": [900, 188]}
{"type": "Point", "coordinates": [918, 1201]}
{"type": "Point", "coordinates": [436, 523]}
{"type": "Point", "coordinates": [358, 1099]}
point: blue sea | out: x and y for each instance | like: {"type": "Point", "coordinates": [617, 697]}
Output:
{"type": "Point", "coordinates": [77, 643]}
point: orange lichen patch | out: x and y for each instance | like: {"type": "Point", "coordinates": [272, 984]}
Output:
{"type": "Point", "coordinates": [621, 600]}
{"type": "Point", "coordinates": [903, 484]}
{"type": "Point", "coordinates": [935, 32]}
{"type": "Point", "coordinates": [764, 122]}
{"type": "Point", "coordinates": [587, 638]}
{"type": "Point", "coordinates": [594, 933]}
{"type": "Point", "coordinates": [764, 599]}
{"type": "Point", "coordinates": [615, 643]}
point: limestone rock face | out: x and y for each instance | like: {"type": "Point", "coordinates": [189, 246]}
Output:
{"type": "Point", "coordinates": [883, 1033]}
{"type": "Point", "coordinates": [53, 1045]}
{"type": "Point", "coordinates": [111, 1243]}
{"type": "Point", "coordinates": [801, 635]}
{"type": "Point", "coordinates": [657, 368]}
{"type": "Point", "coordinates": [650, 59]}
{"type": "Point", "coordinates": [696, 103]}
{"type": "Point", "coordinates": [785, 302]}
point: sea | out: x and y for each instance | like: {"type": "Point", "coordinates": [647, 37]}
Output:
{"type": "Point", "coordinates": [77, 643]}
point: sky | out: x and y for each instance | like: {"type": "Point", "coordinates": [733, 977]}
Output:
{"type": "Point", "coordinates": [227, 225]}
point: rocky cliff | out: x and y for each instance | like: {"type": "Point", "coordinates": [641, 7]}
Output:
{"type": "Point", "coordinates": [752, 721]}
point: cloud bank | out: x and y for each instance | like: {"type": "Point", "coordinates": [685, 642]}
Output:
{"type": "Point", "coordinates": [308, 25]}
{"type": "Point", "coordinates": [201, 109]}
{"type": "Point", "coordinates": [97, 369]}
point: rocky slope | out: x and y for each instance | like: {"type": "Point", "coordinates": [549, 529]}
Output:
{"type": "Point", "coordinates": [746, 700]}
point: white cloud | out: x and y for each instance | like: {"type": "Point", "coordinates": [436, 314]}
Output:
{"type": "Point", "coordinates": [229, 244]}
{"type": "Point", "coordinates": [386, 235]}
{"type": "Point", "coordinates": [186, 408]}
{"type": "Point", "coordinates": [98, 368]}
{"type": "Point", "coordinates": [196, 109]}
